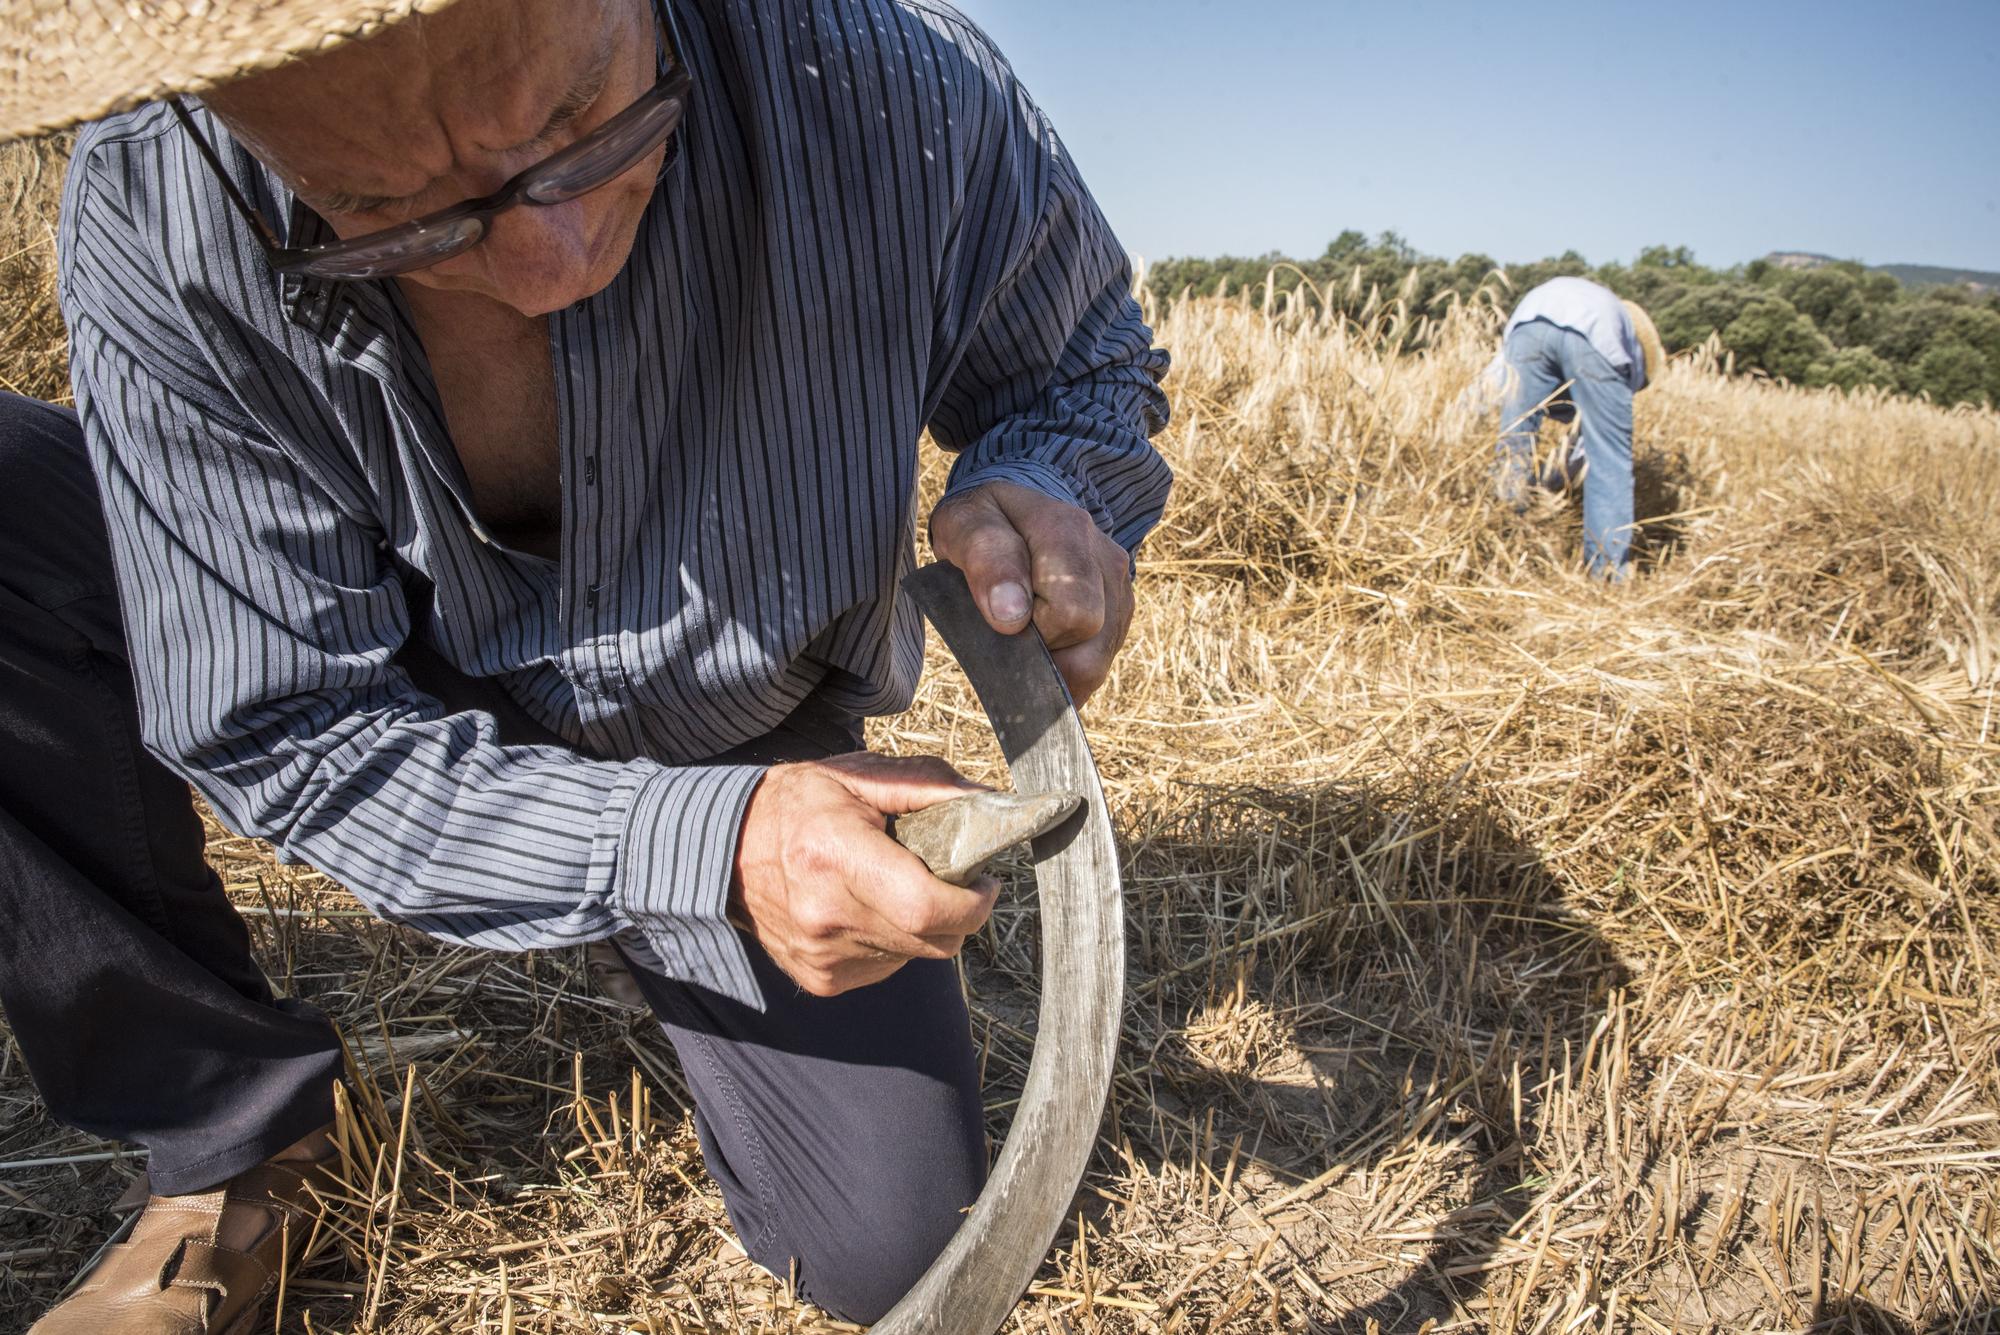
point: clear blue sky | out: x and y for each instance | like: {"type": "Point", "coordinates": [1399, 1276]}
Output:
{"type": "Point", "coordinates": [1865, 130]}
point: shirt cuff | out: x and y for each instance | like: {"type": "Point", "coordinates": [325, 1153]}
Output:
{"type": "Point", "coordinates": [1030, 473]}
{"type": "Point", "coordinates": [675, 856]}
{"type": "Point", "coordinates": [1036, 476]}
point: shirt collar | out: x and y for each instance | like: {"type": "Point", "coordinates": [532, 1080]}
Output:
{"type": "Point", "coordinates": [308, 301]}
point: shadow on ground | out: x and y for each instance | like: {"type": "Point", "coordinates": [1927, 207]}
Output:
{"type": "Point", "coordinates": [1348, 1005]}
{"type": "Point", "coordinates": [1663, 495]}
{"type": "Point", "coordinates": [1344, 986]}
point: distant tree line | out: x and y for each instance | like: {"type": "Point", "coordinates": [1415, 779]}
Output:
{"type": "Point", "coordinates": [1838, 324]}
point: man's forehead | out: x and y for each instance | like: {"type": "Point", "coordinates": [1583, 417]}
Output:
{"type": "Point", "coordinates": [484, 69]}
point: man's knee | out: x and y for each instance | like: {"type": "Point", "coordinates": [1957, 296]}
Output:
{"type": "Point", "coordinates": [846, 1132]}
{"type": "Point", "coordinates": [40, 445]}
{"type": "Point", "coordinates": [861, 1260]}
{"type": "Point", "coordinates": [53, 546]}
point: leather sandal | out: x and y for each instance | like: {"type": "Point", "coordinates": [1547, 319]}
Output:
{"type": "Point", "coordinates": [175, 1276]}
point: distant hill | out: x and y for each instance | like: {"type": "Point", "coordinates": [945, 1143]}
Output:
{"type": "Point", "coordinates": [1909, 275]}
{"type": "Point", "coordinates": [1929, 275]}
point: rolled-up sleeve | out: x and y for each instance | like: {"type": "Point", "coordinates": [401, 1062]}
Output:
{"type": "Point", "coordinates": [263, 622]}
{"type": "Point", "coordinates": [1059, 385]}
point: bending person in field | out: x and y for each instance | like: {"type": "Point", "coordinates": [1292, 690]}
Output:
{"type": "Point", "coordinates": [1575, 352]}
{"type": "Point", "coordinates": [528, 565]}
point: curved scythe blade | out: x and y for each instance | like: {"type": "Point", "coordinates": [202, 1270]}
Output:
{"type": "Point", "coordinates": [982, 1272]}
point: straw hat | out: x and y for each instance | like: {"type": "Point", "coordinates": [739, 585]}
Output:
{"type": "Point", "coordinates": [1649, 339]}
{"type": "Point", "coordinates": [63, 61]}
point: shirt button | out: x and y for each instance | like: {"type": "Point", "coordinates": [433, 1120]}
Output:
{"type": "Point", "coordinates": [589, 470]}
{"type": "Point", "coordinates": [590, 596]}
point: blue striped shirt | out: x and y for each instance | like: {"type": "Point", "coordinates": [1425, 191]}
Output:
{"type": "Point", "coordinates": [865, 228]}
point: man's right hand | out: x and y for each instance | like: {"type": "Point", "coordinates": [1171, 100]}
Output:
{"type": "Point", "coordinates": [834, 901]}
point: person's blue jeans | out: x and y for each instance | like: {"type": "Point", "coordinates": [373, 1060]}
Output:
{"type": "Point", "coordinates": [1551, 366]}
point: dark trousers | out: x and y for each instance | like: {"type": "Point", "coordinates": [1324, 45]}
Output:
{"type": "Point", "coordinates": [845, 1132]}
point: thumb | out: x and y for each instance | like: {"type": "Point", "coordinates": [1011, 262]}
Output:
{"type": "Point", "coordinates": [974, 534]}
{"type": "Point", "coordinates": [898, 785]}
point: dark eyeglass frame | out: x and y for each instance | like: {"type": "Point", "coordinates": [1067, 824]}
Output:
{"type": "Point", "coordinates": [417, 244]}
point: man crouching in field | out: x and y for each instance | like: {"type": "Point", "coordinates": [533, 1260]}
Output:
{"type": "Point", "coordinates": [505, 428]}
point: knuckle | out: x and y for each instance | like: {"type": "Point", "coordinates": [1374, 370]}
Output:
{"type": "Point", "coordinates": [1082, 616]}
{"type": "Point", "coordinates": [1091, 660]}
{"type": "Point", "coordinates": [815, 920]}
{"type": "Point", "coordinates": [1075, 523]}
{"type": "Point", "coordinates": [1069, 629]}
{"type": "Point", "coordinates": [994, 547]}
{"type": "Point", "coordinates": [1078, 536]}
{"type": "Point", "coordinates": [813, 858]}
{"type": "Point", "coordinates": [1073, 571]}
{"type": "Point", "coordinates": [957, 509]}
{"type": "Point", "coordinates": [1083, 680]}
{"type": "Point", "coordinates": [913, 919]}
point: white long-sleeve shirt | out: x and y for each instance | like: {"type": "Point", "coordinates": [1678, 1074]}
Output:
{"type": "Point", "coordinates": [1594, 311]}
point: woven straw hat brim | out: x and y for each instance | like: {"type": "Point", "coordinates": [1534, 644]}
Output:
{"type": "Point", "coordinates": [64, 61]}
{"type": "Point", "coordinates": [1649, 339]}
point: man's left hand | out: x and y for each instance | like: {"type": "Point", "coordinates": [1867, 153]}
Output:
{"type": "Point", "coordinates": [1029, 556]}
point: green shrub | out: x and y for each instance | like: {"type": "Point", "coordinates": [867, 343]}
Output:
{"type": "Point", "coordinates": [1834, 324]}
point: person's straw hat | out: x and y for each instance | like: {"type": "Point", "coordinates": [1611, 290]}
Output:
{"type": "Point", "coordinates": [1649, 339]}
{"type": "Point", "coordinates": [64, 61]}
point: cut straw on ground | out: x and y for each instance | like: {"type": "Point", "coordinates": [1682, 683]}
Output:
{"type": "Point", "coordinates": [1509, 952]}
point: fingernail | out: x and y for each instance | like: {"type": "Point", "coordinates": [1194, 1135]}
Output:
{"type": "Point", "coordinates": [1009, 601]}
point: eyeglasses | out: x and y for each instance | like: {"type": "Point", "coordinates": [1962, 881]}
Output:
{"type": "Point", "coordinates": [601, 156]}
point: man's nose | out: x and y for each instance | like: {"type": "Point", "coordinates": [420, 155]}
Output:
{"type": "Point", "coordinates": [527, 251]}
